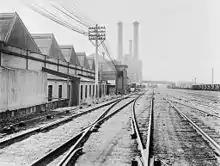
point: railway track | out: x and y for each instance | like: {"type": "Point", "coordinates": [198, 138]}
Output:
{"type": "Point", "coordinates": [207, 97]}
{"type": "Point", "coordinates": [164, 135]}
{"type": "Point", "coordinates": [6, 141]}
{"type": "Point", "coordinates": [142, 126]}
{"type": "Point", "coordinates": [26, 123]}
{"type": "Point", "coordinates": [67, 153]}
{"type": "Point", "coordinates": [113, 144]}
{"type": "Point", "coordinates": [198, 141]}
{"type": "Point", "coordinates": [209, 112]}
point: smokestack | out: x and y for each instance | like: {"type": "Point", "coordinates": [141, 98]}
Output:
{"type": "Point", "coordinates": [130, 48]}
{"type": "Point", "coordinates": [136, 31]}
{"type": "Point", "coordinates": [120, 40]}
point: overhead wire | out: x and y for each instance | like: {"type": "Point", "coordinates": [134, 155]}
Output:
{"type": "Point", "coordinates": [108, 54]}
{"type": "Point", "coordinates": [41, 10]}
{"type": "Point", "coordinates": [71, 14]}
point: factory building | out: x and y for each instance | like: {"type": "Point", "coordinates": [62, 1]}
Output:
{"type": "Point", "coordinates": [36, 74]}
{"type": "Point", "coordinates": [131, 59]}
{"type": "Point", "coordinates": [114, 81]}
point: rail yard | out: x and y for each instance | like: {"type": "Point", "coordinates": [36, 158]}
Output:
{"type": "Point", "coordinates": [73, 93]}
{"type": "Point", "coordinates": [151, 127]}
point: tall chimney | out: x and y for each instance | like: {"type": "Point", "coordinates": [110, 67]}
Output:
{"type": "Point", "coordinates": [130, 48]}
{"type": "Point", "coordinates": [136, 31]}
{"type": "Point", "coordinates": [120, 41]}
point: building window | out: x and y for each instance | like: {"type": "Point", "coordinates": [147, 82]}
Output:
{"type": "Point", "coordinates": [86, 92]}
{"type": "Point", "coordinates": [103, 89]}
{"type": "Point", "coordinates": [81, 92]}
{"type": "Point", "coordinates": [60, 92]}
{"type": "Point", "coordinates": [68, 91]}
{"type": "Point", "coordinates": [90, 90]}
{"type": "Point", "coordinates": [93, 90]}
{"type": "Point", "coordinates": [50, 92]}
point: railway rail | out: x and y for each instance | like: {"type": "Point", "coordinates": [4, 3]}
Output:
{"type": "Point", "coordinates": [144, 145]}
{"type": "Point", "coordinates": [71, 149]}
{"type": "Point", "coordinates": [198, 128]}
{"type": "Point", "coordinates": [207, 97]}
{"type": "Point", "coordinates": [185, 131]}
{"type": "Point", "coordinates": [33, 121]}
{"type": "Point", "coordinates": [206, 111]}
{"type": "Point", "coordinates": [6, 141]}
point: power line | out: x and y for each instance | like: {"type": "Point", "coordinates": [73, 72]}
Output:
{"type": "Point", "coordinates": [70, 14]}
{"type": "Point", "coordinates": [52, 17]}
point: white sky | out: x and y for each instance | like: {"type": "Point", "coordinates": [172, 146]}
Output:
{"type": "Point", "coordinates": [179, 39]}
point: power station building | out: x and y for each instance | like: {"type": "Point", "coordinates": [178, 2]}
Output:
{"type": "Point", "coordinates": [36, 74]}
{"type": "Point", "coordinates": [134, 70]}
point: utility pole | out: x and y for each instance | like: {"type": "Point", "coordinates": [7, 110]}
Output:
{"type": "Point", "coordinates": [96, 63]}
{"type": "Point", "coordinates": [97, 33]}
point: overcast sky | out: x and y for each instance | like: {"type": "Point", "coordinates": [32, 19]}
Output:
{"type": "Point", "coordinates": [179, 39]}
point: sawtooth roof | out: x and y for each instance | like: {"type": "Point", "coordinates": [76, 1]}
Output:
{"type": "Point", "coordinates": [14, 32]}
{"type": "Point", "coordinates": [48, 45]}
{"type": "Point", "coordinates": [83, 59]}
{"type": "Point", "coordinates": [104, 64]}
{"type": "Point", "coordinates": [91, 63]}
{"type": "Point", "coordinates": [70, 54]}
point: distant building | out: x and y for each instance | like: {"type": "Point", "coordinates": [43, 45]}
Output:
{"type": "Point", "coordinates": [112, 72]}
{"type": "Point", "coordinates": [134, 69]}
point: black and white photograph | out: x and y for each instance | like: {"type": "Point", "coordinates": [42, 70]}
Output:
{"type": "Point", "coordinates": [109, 82]}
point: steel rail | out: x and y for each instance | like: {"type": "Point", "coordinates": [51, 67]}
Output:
{"type": "Point", "coordinates": [73, 145]}
{"type": "Point", "coordinates": [8, 141]}
{"type": "Point", "coordinates": [149, 132]}
{"type": "Point", "coordinates": [205, 136]}
{"type": "Point", "coordinates": [145, 152]}
{"type": "Point", "coordinates": [72, 151]}
{"type": "Point", "coordinates": [195, 107]}
{"type": "Point", "coordinates": [67, 159]}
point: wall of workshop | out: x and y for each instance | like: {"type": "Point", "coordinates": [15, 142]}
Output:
{"type": "Point", "coordinates": [22, 88]}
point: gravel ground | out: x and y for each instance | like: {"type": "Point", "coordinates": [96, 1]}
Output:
{"type": "Point", "coordinates": [120, 104]}
{"type": "Point", "coordinates": [211, 121]}
{"type": "Point", "coordinates": [175, 142]}
{"type": "Point", "coordinates": [207, 123]}
{"type": "Point", "coordinates": [112, 144]}
{"type": "Point", "coordinates": [30, 149]}
{"type": "Point", "coordinates": [207, 99]}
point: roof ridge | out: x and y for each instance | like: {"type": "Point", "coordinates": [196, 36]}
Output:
{"type": "Point", "coordinates": [7, 14]}
{"type": "Point", "coordinates": [10, 27]}
{"type": "Point", "coordinates": [66, 46]}
{"type": "Point", "coordinates": [42, 35]}
{"type": "Point", "coordinates": [27, 31]}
